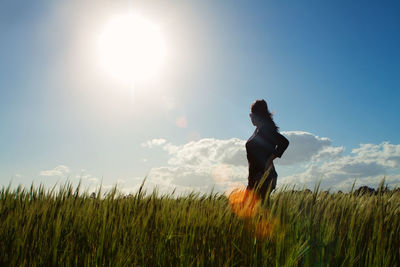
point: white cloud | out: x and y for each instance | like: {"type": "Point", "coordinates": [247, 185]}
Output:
{"type": "Point", "coordinates": [385, 154]}
{"type": "Point", "coordinates": [329, 152]}
{"type": "Point", "coordinates": [214, 163]}
{"type": "Point", "coordinates": [368, 164]}
{"type": "Point", "coordinates": [304, 145]}
{"type": "Point", "coordinates": [201, 166]}
{"type": "Point", "coordinates": [198, 178]}
{"type": "Point", "coordinates": [85, 177]}
{"type": "Point", "coordinates": [60, 170]}
{"type": "Point", "coordinates": [154, 142]}
{"type": "Point", "coordinates": [207, 152]}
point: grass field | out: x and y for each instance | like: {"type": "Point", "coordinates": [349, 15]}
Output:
{"type": "Point", "coordinates": [66, 227]}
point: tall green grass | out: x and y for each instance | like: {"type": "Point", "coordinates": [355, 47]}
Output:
{"type": "Point", "coordinates": [66, 227]}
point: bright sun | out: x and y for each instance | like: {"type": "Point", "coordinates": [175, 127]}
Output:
{"type": "Point", "coordinates": [131, 49]}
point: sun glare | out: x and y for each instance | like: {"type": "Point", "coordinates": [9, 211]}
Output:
{"type": "Point", "coordinates": [131, 49]}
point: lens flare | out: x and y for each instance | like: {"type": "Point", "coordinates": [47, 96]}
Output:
{"type": "Point", "coordinates": [266, 227]}
{"type": "Point", "coordinates": [244, 203]}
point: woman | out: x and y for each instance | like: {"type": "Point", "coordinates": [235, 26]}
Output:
{"type": "Point", "coordinates": [262, 148]}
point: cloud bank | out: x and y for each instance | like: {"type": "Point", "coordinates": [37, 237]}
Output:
{"type": "Point", "coordinates": [215, 164]}
{"type": "Point", "coordinates": [367, 164]}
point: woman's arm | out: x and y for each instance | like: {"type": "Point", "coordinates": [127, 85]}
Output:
{"type": "Point", "coordinates": [281, 144]}
{"type": "Point", "coordinates": [273, 137]}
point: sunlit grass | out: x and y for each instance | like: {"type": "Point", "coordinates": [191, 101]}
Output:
{"type": "Point", "coordinates": [67, 227]}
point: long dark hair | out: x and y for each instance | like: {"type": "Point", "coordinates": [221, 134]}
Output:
{"type": "Point", "coordinates": [260, 109]}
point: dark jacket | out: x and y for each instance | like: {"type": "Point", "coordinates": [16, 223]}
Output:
{"type": "Point", "coordinates": [265, 141]}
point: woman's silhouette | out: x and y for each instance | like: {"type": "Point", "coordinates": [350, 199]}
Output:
{"type": "Point", "coordinates": [262, 148]}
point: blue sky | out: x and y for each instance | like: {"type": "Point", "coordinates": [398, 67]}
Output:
{"type": "Point", "coordinates": [329, 72]}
